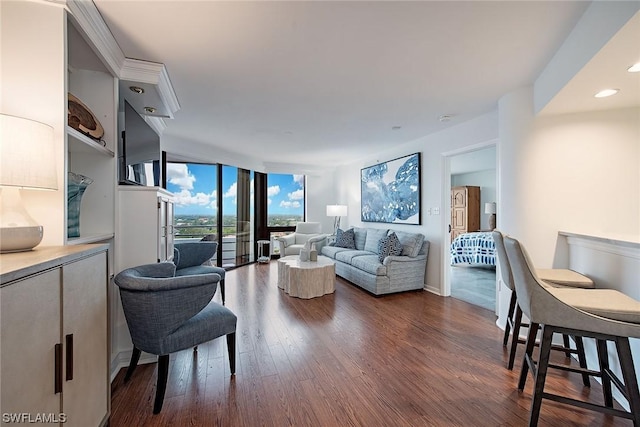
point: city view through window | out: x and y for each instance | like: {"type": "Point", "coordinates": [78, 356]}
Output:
{"type": "Point", "coordinates": [197, 202]}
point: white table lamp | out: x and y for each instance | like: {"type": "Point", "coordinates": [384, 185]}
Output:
{"type": "Point", "coordinates": [336, 211]}
{"type": "Point", "coordinates": [490, 209]}
{"type": "Point", "coordinates": [27, 161]}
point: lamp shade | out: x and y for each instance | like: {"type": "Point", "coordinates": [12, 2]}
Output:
{"type": "Point", "coordinates": [490, 208]}
{"type": "Point", "coordinates": [27, 160]}
{"type": "Point", "coordinates": [336, 210]}
{"type": "Point", "coordinates": [27, 157]}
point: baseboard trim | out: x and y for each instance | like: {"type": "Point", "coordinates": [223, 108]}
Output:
{"type": "Point", "coordinates": [122, 359]}
{"type": "Point", "coordinates": [432, 289]}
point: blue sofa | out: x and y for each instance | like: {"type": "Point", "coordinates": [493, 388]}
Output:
{"type": "Point", "coordinates": [396, 273]}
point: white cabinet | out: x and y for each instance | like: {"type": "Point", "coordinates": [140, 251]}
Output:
{"type": "Point", "coordinates": [54, 334]}
{"type": "Point", "coordinates": [145, 226]}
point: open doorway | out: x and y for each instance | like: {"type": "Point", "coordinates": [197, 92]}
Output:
{"type": "Point", "coordinates": [471, 268]}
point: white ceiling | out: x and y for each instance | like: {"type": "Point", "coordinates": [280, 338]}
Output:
{"type": "Point", "coordinates": [324, 82]}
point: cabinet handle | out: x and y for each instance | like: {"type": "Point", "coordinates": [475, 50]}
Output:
{"type": "Point", "coordinates": [69, 343]}
{"type": "Point", "coordinates": [57, 369]}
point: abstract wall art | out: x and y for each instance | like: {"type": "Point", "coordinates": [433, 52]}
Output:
{"type": "Point", "coordinates": [390, 191]}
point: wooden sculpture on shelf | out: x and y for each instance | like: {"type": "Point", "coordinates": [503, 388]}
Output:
{"type": "Point", "coordinates": [80, 117]}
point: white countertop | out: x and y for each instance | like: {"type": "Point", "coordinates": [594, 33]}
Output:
{"type": "Point", "coordinates": [17, 265]}
{"type": "Point", "coordinates": [628, 240]}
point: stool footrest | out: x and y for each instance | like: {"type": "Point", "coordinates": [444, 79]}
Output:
{"type": "Point", "coordinates": [588, 405]}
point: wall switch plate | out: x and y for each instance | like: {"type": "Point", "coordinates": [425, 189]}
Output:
{"type": "Point", "coordinates": [436, 211]}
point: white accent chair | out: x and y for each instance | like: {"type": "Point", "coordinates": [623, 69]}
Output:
{"type": "Point", "coordinates": [291, 244]}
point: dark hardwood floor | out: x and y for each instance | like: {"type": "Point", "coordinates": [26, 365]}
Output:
{"type": "Point", "coordinates": [347, 359]}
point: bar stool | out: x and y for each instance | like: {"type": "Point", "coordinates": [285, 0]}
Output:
{"type": "Point", "coordinates": [555, 278]}
{"type": "Point", "coordinates": [601, 314]}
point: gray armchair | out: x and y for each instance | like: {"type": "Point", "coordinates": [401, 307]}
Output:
{"type": "Point", "coordinates": [191, 258]}
{"type": "Point", "coordinates": [166, 314]}
{"type": "Point", "coordinates": [291, 244]}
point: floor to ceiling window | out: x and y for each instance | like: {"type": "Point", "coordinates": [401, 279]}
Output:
{"type": "Point", "coordinates": [285, 204]}
{"type": "Point", "coordinates": [218, 202]}
{"type": "Point", "coordinates": [237, 216]}
{"type": "Point", "coordinates": [194, 187]}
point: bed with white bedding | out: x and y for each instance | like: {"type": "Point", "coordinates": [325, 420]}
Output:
{"type": "Point", "coordinates": [476, 248]}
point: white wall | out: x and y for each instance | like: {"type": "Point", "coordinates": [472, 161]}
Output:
{"type": "Point", "coordinates": [347, 184]}
{"type": "Point", "coordinates": [33, 69]}
{"type": "Point", "coordinates": [320, 193]}
{"type": "Point", "coordinates": [581, 173]}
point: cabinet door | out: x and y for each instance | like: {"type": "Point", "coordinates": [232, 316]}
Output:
{"type": "Point", "coordinates": [163, 231]}
{"type": "Point", "coordinates": [170, 232]}
{"type": "Point", "coordinates": [29, 333]}
{"type": "Point", "coordinates": [459, 197]}
{"type": "Point", "coordinates": [84, 337]}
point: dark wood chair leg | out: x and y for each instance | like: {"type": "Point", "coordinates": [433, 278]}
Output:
{"type": "Point", "coordinates": [163, 373]}
{"type": "Point", "coordinates": [517, 322]}
{"type": "Point", "coordinates": [231, 347]}
{"type": "Point", "coordinates": [541, 374]}
{"type": "Point", "coordinates": [603, 360]}
{"type": "Point", "coordinates": [528, 355]}
{"type": "Point", "coordinates": [507, 328]}
{"type": "Point", "coordinates": [567, 344]}
{"type": "Point", "coordinates": [135, 357]}
{"type": "Point", "coordinates": [222, 290]}
{"type": "Point", "coordinates": [582, 359]}
{"type": "Point", "coordinates": [629, 377]}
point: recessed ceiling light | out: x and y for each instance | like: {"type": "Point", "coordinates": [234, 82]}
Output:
{"type": "Point", "coordinates": [635, 68]}
{"type": "Point", "coordinates": [396, 127]}
{"type": "Point", "coordinates": [136, 89]}
{"type": "Point", "coordinates": [150, 110]}
{"type": "Point", "coordinates": [606, 92]}
{"type": "Point", "coordinates": [445, 118]}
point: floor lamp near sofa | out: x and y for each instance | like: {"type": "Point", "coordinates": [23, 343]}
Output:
{"type": "Point", "coordinates": [336, 211]}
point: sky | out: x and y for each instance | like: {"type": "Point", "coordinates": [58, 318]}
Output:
{"type": "Point", "coordinates": [194, 187]}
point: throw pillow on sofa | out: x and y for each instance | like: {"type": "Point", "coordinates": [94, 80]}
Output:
{"type": "Point", "coordinates": [411, 243]}
{"type": "Point", "coordinates": [346, 239]}
{"type": "Point", "coordinates": [389, 245]}
{"type": "Point", "coordinates": [373, 237]}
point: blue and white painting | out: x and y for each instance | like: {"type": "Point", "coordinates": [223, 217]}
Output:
{"type": "Point", "coordinates": [391, 191]}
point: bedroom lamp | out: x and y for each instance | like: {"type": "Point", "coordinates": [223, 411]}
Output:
{"type": "Point", "coordinates": [490, 209]}
{"type": "Point", "coordinates": [336, 211]}
{"type": "Point", "coordinates": [26, 162]}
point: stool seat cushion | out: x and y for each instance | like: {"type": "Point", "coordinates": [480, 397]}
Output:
{"type": "Point", "coordinates": [607, 303]}
{"type": "Point", "coordinates": [564, 277]}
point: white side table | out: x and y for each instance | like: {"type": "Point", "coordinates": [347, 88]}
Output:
{"type": "Point", "coordinates": [261, 257]}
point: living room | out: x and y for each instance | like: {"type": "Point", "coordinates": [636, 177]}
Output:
{"type": "Point", "coordinates": [561, 167]}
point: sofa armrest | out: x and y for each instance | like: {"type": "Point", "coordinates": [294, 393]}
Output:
{"type": "Point", "coordinates": [403, 259]}
{"type": "Point", "coordinates": [284, 241]}
{"type": "Point", "coordinates": [319, 241]}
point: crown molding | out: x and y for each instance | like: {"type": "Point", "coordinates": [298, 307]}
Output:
{"type": "Point", "coordinates": [86, 15]}
{"type": "Point", "coordinates": [157, 123]}
{"type": "Point", "coordinates": [153, 73]}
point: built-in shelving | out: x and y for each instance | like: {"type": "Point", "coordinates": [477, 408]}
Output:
{"type": "Point", "coordinates": [97, 88]}
{"type": "Point", "coordinates": [79, 143]}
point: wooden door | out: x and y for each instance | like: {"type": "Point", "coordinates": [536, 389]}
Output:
{"type": "Point", "coordinates": [458, 211]}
